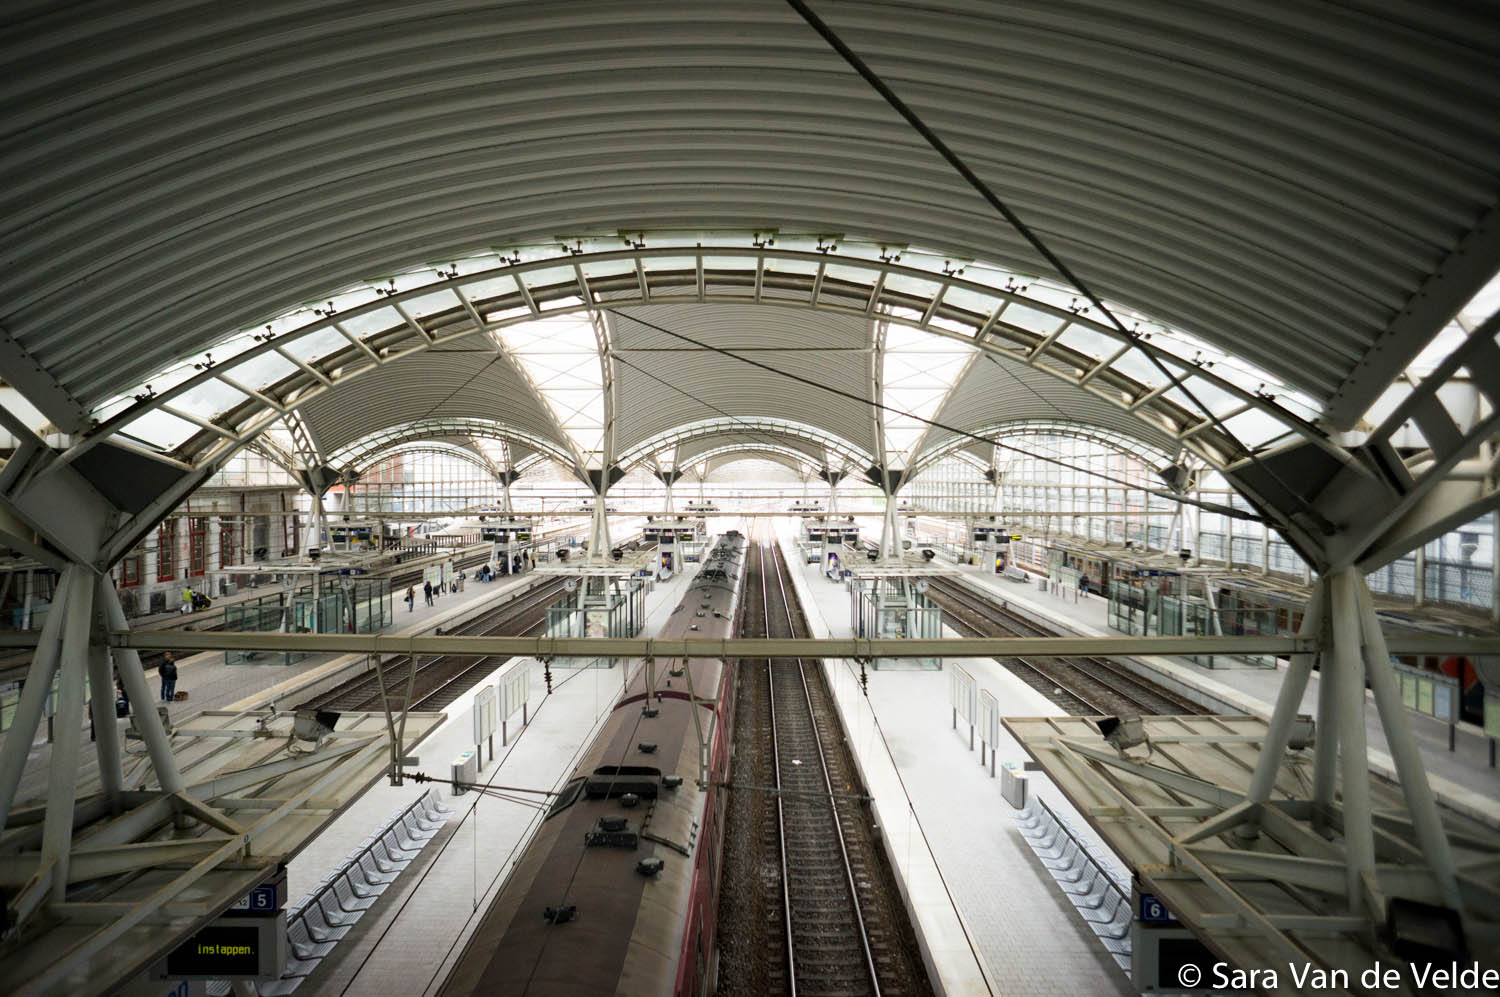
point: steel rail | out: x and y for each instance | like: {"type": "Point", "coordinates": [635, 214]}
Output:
{"type": "Point", "coordinates": [786, 881]}
{"type": "Point", "coordinates": [859, 919]}
{"type": "Point", "coordinates": [1136, 692]}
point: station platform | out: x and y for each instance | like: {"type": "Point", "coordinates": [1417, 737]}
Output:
{"type": "Point", "coordinates": [407, 942]}
{"type": "Point", "coordinates": [213, 685]}
{"type": "Point", "coordinates": [988, 915]}
{"type": "Point", "coordinates": [1462, 778]}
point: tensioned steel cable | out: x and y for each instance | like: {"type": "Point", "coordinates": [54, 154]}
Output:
{"type": "Point", "coordinates": [1066, 272]}
{"type": "Point", "coordinates": [1215, 507]}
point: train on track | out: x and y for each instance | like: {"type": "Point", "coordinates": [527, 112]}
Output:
{"type": "Point", "coordinates": [618, 889]}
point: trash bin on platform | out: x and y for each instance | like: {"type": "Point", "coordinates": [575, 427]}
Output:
{"type": "Point", "coordinates": [465, 770]}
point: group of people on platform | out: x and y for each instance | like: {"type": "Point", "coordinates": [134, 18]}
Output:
{"type": "Point", "coordinates": [486, 573]}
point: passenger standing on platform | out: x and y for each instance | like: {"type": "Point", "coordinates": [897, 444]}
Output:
{"type": "Point", "coordinates": [427, 592]}
{"type": "Point", "coordinates": [517, 565]}
{"type": "Point", "coordinates": [461, 581]}
{"type": "Point", "coordinates": [411, 597]}
{"type": "Point", "coordinates": [1083, 584]}
{"type": "Point", "coordinates": [168, 672]}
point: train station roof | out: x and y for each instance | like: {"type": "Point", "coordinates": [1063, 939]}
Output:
{"type": "Point", "coordinates": [595, 230]}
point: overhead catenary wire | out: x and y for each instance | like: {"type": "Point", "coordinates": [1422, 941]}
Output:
{"type": "Point", "coordinates": [1214, 507]}
{"type": "Point", "coordinates": [1025, 231]}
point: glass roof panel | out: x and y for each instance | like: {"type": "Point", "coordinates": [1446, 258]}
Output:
{"type": "Point", "coordinates": [1089, 341]}
{"type": "Point", "coordinates": [316, 344]}
{"type": "Point", "coordinates": [370, 323]}
{"type": "Point", "coordinates": [912, 285]}
{"type": "Point", "coordinates": [560, 356]}
{"type": "Point", "coordinates": [1137, 366]}
{"type": "Point", "coordinates": [492, 287]}
{"type": "Point", "coordinates": [1256, 428]}
{"type": "Point", "coordinates": [972, 301]}
{"type": "Point", "coordinates": [536, 280]}
{"type": "Point", "coordinates": [431, 304]}
{"type": "Point", "coordinates": [208, 399]}
{"type": "Point", "coordinates": [262, 371]}
{"type": "Point", "coordinates": [791, 266]}
{"type": "Point", "coordinates": [1042, 323]}
{"type": "Point", "coordinates": [159, 429]}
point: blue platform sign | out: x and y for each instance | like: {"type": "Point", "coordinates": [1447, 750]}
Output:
{"type": "Point", "coordinates": [1153, 911]}
{"type": "Point", "coordinates": [264, 900]}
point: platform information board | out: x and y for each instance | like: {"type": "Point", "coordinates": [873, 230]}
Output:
{"type": "Point", "coordinates": [514, 694]}
{"type": "Point", "coordinates": [485, 715]}
{"type": "Point", "coordinates": [233, 948]}
{"type": "Point", "coordinates": [1431, 694]}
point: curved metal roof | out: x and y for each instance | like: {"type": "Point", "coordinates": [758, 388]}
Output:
{"type": "Point", "coordinates": [463, 379]}
{"type": "Point", "coordinates": [1320, 177]}
{"type": "Point", "coordinates": [996, 389]}
{"type": "Point", "coordinates": [1307, 193]}
{"type": "Point", "coordinates": [663, 381]}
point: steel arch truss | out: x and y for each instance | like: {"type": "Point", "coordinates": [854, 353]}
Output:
{"type": "Point", "coordinates": [362, 453]}
{"type": "Point", "coordinates": [203, 412]}
{"type": "Point", "coordinates": [757, 429]}
{"type": "Point", "coordinates": [333, 345]}
{"type": "Point", "coordinates": [788, 457]}
{"type": "Point", "coordinates": [997, 432]}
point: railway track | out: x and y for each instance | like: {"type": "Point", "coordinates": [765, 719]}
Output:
{"type": "Point", "coordinates": [400, 580]}
{"type": "Point", "coordinates": [441, 680]}
{"type": "Point", "coordinates": [1084, 686]}
{"type": "Point", "coordinates": [825, 917]}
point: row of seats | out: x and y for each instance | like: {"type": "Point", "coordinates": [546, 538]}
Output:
{"type": "Point", "coordinates": [315, 923]}
{"type": "Point", "coordinates": [1098, 896]}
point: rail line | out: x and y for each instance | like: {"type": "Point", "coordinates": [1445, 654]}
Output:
{"type": "Point", "coordinates": [442, 679]}
{"type": "Point", "coordinates": [1084, 686]}
{"type": "Point", "coordinates": [843, 927]}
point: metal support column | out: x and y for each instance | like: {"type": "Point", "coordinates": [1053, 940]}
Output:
{"type": "Point", "coordinates": [1198, 529]}
{"type": "Point", "coordinates": [890, 533]}
{"type": "Point", "coordinates": [106, 726]}
{"type": "Point", "coordinates": [142, 708]}
{"type": "Point", "coordinates": [62, 776]}
{"type": "Point", "coordinates": [1288, 704]}
{"type": "Point", "coordinates": [1325, 752]}
{"type": "Point", "coordinates": [599, 544]}
{"type": "Point", "coordinates": [1359, 832]}
{"type": "Point", "coordinates": [1495, 566]}
{"type": "Point", "coordinates": [1404, 752]}
{"type": "Point", "coordinates": [29, 710]}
